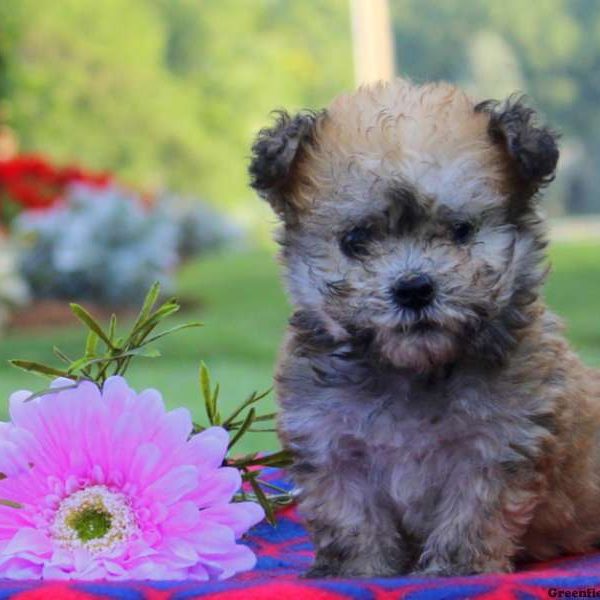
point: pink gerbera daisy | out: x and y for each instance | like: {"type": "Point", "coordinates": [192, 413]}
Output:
{"type": "Point", "coordinates": [115, 487]}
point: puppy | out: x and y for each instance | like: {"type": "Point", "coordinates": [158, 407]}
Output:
{"type": "Point", "coordinates": [439, 421]}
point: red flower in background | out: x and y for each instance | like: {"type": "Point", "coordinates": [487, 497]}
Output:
{"type": "Point", "coordinates": [30, 182]}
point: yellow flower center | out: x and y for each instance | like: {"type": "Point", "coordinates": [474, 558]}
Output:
{"type": "Point", "coordinates": [90, 522]}
{"type": "Point", "coordinates": [94, 518]}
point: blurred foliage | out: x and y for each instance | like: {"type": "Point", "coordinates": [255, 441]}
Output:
{"type": "Point", "coordinates": [167, 93]}
{"type": "Point", "coordinates": [101, 245]}
{"type": "Point", "coordinates": [13, 290]}
{"type": "Point", "coordinates": [108, 245]}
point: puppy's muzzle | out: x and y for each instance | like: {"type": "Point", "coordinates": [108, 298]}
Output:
{"type": "Point", "coordinates": [414, 292]}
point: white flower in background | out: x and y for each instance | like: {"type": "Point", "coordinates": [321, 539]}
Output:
{"type": "Point", "coordinates": [102, 245]}
{"type": "Point", "coordinates": [109, 247]}
{"type": "Point", "coordinates": [13, 290]}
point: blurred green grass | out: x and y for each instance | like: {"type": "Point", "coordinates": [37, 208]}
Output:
{"type": "Point", "coordinates": [244, 310]}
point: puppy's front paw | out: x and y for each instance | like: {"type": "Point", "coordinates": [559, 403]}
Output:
{"type": "Point", "coordinates": [353, 569]}
{"type": "Point", "coordinates": [321, 571]}
{"type": "Point", "coordinates": [439, 570]}
{"type": "Point", "coordinates": [443, 568]}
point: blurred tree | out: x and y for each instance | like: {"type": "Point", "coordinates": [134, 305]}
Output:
{"type": "Point", "coordinates": [245, 59]}
{"type": "Point", "coordinates": [493, 65]}
{"type": "Point", "coordinates": [87, 82]}
{"type": "Point", "coordinates": [165, 92]}
{"type": "Point", "coordinates": [168, 93]}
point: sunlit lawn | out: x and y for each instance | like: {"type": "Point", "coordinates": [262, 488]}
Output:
{"type": "Point", "coordinates": [244, 309]}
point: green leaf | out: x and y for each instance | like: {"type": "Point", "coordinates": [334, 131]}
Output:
{"type": "Point", "coordinates": [215, 404]}
{"type": "Point", "coordinates": [262, 429]}
{"type": "Point", "coordinates": [61, 355]}
{"type": "Point", "coordinates": [170, 308]}
{"type": "Point", "coordinates": [82, 363]}
{"type": "Point", "coordinates": [273, 486]}
{"type": "Point", "coordinates": [147, 306]}
{"type": "Point", "coordinates": [138, 336]}
{"type": "Point", "coordinates": [173, 330]}
{"type": "Point", "coordinates": [91, 344]}
{"type": "Point", "coordinates": [52, 390]}
{"type": "Point", "coordinates": [252, 399]}
{"type": "Point", "coordinates": [257, 419]}
{"type": "Point", "coordinates": [262, 500]}
{"type": "Point", "coordinates": [86, 318]}
{"type": "Point", "coordinates": [206, 394]}
{"type": "Point", "coordinates": [282, 458]}
{"type": "Point", "coordinates": [141, 352]}
{"type": "Point", "coordinates": [244, 427]}
{"type": "Point", "coordinates": [112, 328]}
{"type": "Point", "coordinates": [205, 381]}
{"type": "Point", "coordinates": [10, 503]}
{"type": "Point", "coordinates": [149, 302]}
{"type": "Point", "coordinates": [166, 309]}
{"type": "Point", "coordinates": [267, 417]}
{"type": "Point", "coordinates": [38, 368]}
{"type": "Point", "coordinates": [116, 357]}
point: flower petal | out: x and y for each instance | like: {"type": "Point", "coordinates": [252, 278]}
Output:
{"type": "Point", "coordinates": [207, 449]}
{"type": "Point", "coordinates": [217, 487]}
{"type": "Point", "coordinates": [128, 445]}
{"type": "Point", "coordinates": [183, 517]}
{"type": "Point", "coordinates": [240, 558]}
{"type": "Point", "coordinates": [174, 485]}
{"type": "Point", "coordinates": [175, 428]}
{"type": "Point", "coordinates": [211, 538]}
{"type": "Point", "coordinates": [238, 516]}
{"type": "Point", "coordinates": [19, 568]}
{"type": "Point", "coordinates": [28, 539]}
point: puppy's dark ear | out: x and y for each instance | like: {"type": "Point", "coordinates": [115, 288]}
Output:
{"type": "Point", "coordinates": [276, 154]}
{"type": "Point", "coordinates": [531, 148]}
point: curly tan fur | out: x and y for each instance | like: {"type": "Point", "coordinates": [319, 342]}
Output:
{"type": "Point", "coordinates": [460, 436]}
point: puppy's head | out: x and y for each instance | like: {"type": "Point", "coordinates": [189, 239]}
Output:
{"type": "Point", "coordinates": [410, 213]}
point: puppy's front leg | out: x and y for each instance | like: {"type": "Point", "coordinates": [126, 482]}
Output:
{"type": "Point", "coordinates": [360, 551]}
{"type": "Point", "coordinates": [354, 529]}
{"type": "Point", "coordinates": [358, 548]}
{"type": "Point", "coordinates": [478, 521]}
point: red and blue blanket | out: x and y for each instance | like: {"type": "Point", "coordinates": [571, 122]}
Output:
{"type": "Point", "coordinates": [284, 552]}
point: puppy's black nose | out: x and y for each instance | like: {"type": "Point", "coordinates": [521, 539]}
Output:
{"type": "Point", "coordinates": [414, 292]}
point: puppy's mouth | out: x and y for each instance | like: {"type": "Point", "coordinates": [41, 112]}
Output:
{"type": "Point", "coordinates": [421, 326]}
{"type": "Point", "coordinates": [421, 345]}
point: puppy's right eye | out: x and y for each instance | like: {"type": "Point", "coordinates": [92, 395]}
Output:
{"type": "Point", "coordinates": [463, 231]}
{"type": "Point", "coordinates": [355, 242]}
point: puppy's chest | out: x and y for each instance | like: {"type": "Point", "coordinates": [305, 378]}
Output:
{"type": "Point", "coordinates": [400, 438]}
{"type": "Point", "coordinates": [401, 431]}
{"type": "Point", "coordinates": [418, 436]}
{"type": "Point", "coordinates": [413, 449]}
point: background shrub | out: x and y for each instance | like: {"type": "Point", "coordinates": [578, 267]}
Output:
{"type": "Point", "coordinates": [99, 245]}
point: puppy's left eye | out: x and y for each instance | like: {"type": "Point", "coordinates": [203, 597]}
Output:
{"type": "Point", "coordinates": [462, 232]}
{"type": "Point", "coordinates": [354, 243]}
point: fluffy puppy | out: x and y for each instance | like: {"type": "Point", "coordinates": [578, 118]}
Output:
{"type": "Point", "coordinates": [439, 421]}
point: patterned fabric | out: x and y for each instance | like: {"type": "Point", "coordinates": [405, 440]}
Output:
{"type": "Point", "coordinates": [285, 551]}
